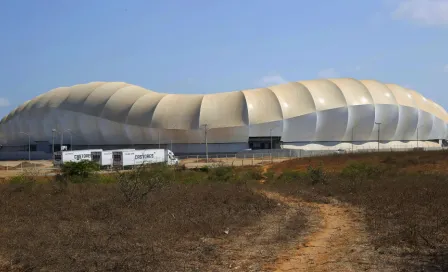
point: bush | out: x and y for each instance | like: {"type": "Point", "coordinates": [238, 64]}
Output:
{"type": "Point", "coordinates": [317, 174]}
{"type": "Point", "coordinates": [290, 176]}
{"type": "Point", "coordinates": [221, 174]}
{"type": "Point", "coordinates": [81, 170]}
{"type": "Point", "coordinates": [138, 183]}
{"type": "Point", "coordinates": [361, 170]}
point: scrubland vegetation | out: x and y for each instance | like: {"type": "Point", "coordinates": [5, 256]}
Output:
{"type": "Point", "coordinates": [403, 196]}
{"type": "Point", "coordinates": [158, 218]}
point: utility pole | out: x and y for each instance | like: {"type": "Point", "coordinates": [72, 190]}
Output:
{"type": "Point", "coordinates": [62, 138]}
{"type": "Point", "coordinates": [353, 136]}
{"type": "Point", "coordinates": [379, 131]}
{"type": "Point", "coordinates": [417, 137]}
{"type": "Point", "coordinates": [29, 144]}
{"type": "Point", "coordinates": [71, 140]}
{"type": "Point", "coordinates": [270, 135]}
{"type": "Point", "coordinates": [206, 142]}
{"type": "Point", "coordinates": [418, 127]}
{"type": "Point", "coordinates": [52, 138]}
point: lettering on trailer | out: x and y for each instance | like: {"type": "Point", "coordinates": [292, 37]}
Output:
{"type": "Point", "coordinates": [144, 156]}
{"type": "Point", "coordinates": [82, 156]}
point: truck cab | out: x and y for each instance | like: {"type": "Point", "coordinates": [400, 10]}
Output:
{"type": "Point", "coordinates": [171, 159]}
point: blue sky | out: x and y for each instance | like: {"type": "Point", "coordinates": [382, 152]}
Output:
{"type": "Point", "coordinates": [207, 46]}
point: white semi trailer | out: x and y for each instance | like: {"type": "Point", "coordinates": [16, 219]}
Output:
{"type": "Point", "coordinates": [62, 157]}
{"type": "Point", "coordinates": [104, 158]}
{"type": "Point", "coordinates": [123, 159]}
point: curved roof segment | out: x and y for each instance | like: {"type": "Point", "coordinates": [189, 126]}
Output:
{"type": "Point", "coordinates": [313, 110]}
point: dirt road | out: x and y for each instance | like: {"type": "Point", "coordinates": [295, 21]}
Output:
{"type": "Point", "coordinates": [339, 241]}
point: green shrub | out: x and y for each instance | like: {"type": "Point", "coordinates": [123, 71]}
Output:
{"type": "Point", "coordinates": [361, 170]}
{"type": "Point", "coordinates": [221, 174]}
{"type": "Point", "coordinates": [290, 176]}
{"type": "Point", "coordinates": [79, 171]}
{"type": "Point", "coordinates": [138, 183]}
{"type": "Point", "coordinates": [317, 174]}
{"type": "Point", "coordinates": [248, 174]}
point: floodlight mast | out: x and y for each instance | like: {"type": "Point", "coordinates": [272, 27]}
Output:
{"type": "Point", "coordinates": [379, 131]}
{"type": "Point", "coordinates": [29, 144]}
{"type": "Point", "coordinates": [206, 141]}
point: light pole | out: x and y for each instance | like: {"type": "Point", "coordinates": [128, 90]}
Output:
{"type": "Point", "coordinates": [270, 135]}
{"type": "Point", "coordinates": [353, 136]}
{"type": "Point", "coordinates": [158, 137]}
{"type": "Point", "coordinates": [206, 142]}
{"type": "Point", "coordinates": [53, 131]}
{"type": "Point", "coordinates": [379, 131]}
{"type": "Point", "coordinates": [62, 138]}
{"type": "Point", "coordinates": [417, 133]}
{"type": "Point", "coordinates": [29, 144]}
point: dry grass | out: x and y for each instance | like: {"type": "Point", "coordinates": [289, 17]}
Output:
{"type": "Point", "coordinates": [403, 196]}
{"type": "Point", "coordinates": [180, 226]}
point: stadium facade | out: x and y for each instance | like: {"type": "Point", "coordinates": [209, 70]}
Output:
{"type": "Point", "coordinates": [317, 114]}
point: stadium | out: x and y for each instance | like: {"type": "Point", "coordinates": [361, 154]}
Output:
{"type": "Point", "coordinates": [308, 115]}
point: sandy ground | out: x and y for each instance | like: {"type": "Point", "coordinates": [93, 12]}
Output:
{"type": "Point", "coordinates": [15, 168]}
{"type": "Point", "coordinates": [194, 163]}
{"type": "Point", "coordinates": [337, 239]}
{"type": "Point", "coordinates": [340, 244]}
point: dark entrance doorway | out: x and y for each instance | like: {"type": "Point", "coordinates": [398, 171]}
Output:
{"type": "Point", "coordinates": [264, 142]}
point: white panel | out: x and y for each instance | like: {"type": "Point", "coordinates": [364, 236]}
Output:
{"type": "Point", "coordinates": [360, 123]}
{"type": "Point", "coordinates": [264, 129]}
{"type": "Point", "coordinates": [88, 128]}
{"type": "Point", "coordinates": [388, 116]}
{"type": "Point", "coordinates": [438, 131]}
{"type": "Point", "coordinates": [407, 123]}
{"type": "Point", "coordinates": [295, 99]}
{"type": "Point", "coordinates": [135, 134]}
{"type": "Point", "coordinates": [229, 134]}
{"type": "Point", "coordinates": [120, 103]}
{"type": "Point", "coordinates": [66, 120]}
{"type": "Point", "coordinates": [12, 129]}
{"type": "Point", "coordinates": [35, 126]}
{"type": "Point", "coordinates": [263, 106]}
{"type": "Point", "coordinates": [177, 112]}
{"type": "Point", "coordinates": [380, 93]}
{"type": "Point", "coordinates": [76, 96]}
{"type": "Point", "coordinates": [23, 123]}
{"type": "Point", "coordinates": [331, 124]}
{"type": "Point", "coordinates": [301, 128]}
{"type": "Point", "coordinates": [192, 136]}
{"type": "Point", "coordinates": [425, 123]}
{"type": "Point", "coordinates": [326, 94]}
{"type": "Point", "coordinates": [113, 133]}
{"type": "Point", "coordinates": [232, 105]}
{"type": "Point", "coordinates": [4, 137]}
{"type": "Point", "coordinates": [49, 122]}
{"type": "Point", "coordinates": [96, 101]}
{"type": "Point", "coordinates": [355, 92]}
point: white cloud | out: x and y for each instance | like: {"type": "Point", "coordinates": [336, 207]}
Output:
{"type": "Point", "coordinates": [445, 69]}
{"type": "Point", "coordinates": [426, 12]}
{"type": "Point", "coordinates": [4, 102]}
{"type": "Point", "coordinates": [272, 80]}
{"type": "Point", "coordinates": [328, 73]}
